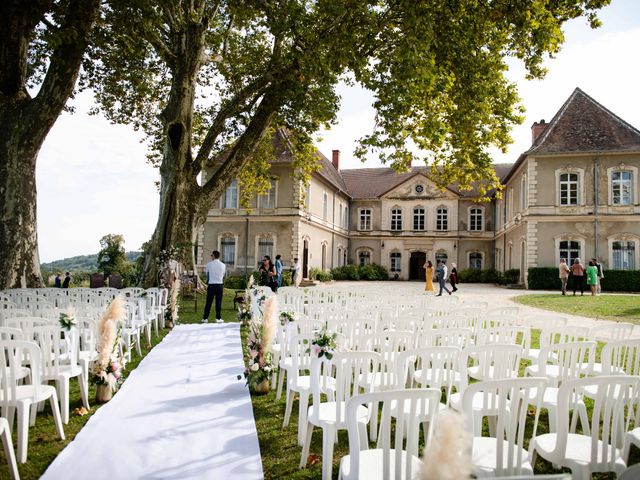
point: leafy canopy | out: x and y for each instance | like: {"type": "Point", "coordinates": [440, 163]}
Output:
{"type": "Point", "coordinates": [437, 70]}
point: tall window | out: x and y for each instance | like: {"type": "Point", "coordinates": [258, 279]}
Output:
{"type": "Point", "coordinates": [418, 218]}
{"type": "Point", "coordinates": [395, 262]}
{"type": "Point", "coordinates": [345, 222]}
{"type": "Point", "coordinates": [265, 247]}
{"type": "Point", "coordinates": [442, 219]}
{"type": "Point", "coordinates": [340, 217]}
{"type": "Point", "coordinates": [268, 200]}
{"type": "Point", "coordinates": [230, 197]}
{"type": "Point", "coordinates": [364, 257]}
{"type": "Point", "coordinates": [624, 255]}
{"type": "Point", "coordinates": [523, 192]}
{"type": "Point", "coordinates": [325, 206]}
{"type": "Point", "coordinates": [621, 188]}
{"type": "Point", "coordinates": [441, 256]}
{"type": "Point", "coordinates": [365, 219]}
{"type": "Point", "coordinates": [396, 219]}
{"type": "Point", "coordinates": [569, 183]}
{"type": "Point", "coordinates": [307, 197]}
{"type": "Point", "coordinates": [475, 219]}
{"type": "Point", "coordinates": [339, 256]}
{"type": "Point", "coordinates": [324, 256]}
{"type": "Point", "coordinates": [475, 261]}
{"type": "Point", "coordinates": [228, 250]}
{"type": "Point", "coordinates": [569, 250]}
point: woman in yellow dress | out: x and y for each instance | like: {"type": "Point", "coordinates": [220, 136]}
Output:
{"type": "Point", "coordinates": [428, 268]}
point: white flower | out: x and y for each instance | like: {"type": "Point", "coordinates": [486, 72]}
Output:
{"type": "Point", "coordinates": [255, 367]}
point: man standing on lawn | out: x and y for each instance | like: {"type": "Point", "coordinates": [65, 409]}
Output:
{"type": "Point", "coordinates": [215, 271]}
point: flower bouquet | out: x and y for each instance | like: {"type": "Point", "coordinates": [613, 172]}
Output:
{"type": "Point", "coordinates": [324, 343]}
{"type": "Point", "coordinates": [259, 363]}
{"type": "Point", "coordinates": [106, 370]}
{"type": "Point", "coordinates": [68, 319]}
{"type": "Point", "coordinates": [244, 313]}
{"type": "Point", "coordinates": [286, 317]}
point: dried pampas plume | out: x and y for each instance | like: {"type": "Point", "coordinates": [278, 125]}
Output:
{"type": "Point", "coordinates": [107, 330]}
{"type": "Point", "coordinates": [269, 321]}
{"type": "Point", "coordinates": [448, 456]}
{"type": "Point", "coordinates": [250, 282]}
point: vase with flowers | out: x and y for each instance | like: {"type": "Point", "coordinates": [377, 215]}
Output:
{"type": "Point", "coordinates": [258, 359]}
{"type": "Point", "coordinates": [324, 343]}
{"type": "Point", "coordinates": [107, 369]}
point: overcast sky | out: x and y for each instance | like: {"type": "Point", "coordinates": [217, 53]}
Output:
{"type": "Point", "coordinates": [93, 178]}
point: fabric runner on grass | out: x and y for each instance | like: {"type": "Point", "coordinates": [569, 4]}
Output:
{"type": "Point", "coordinates": [182, 414]}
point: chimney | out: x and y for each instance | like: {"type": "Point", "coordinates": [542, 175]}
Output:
{"type": "Point", "coordinates": [335, 159]}
{"type": "Point", "coordinates": [537, 129]}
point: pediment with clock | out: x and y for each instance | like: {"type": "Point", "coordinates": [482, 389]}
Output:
{"type": "Point", "coordinates": [418, 187]}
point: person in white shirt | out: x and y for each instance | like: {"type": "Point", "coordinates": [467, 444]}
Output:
{"type": "Point", "coordinates": [215, 271]}
{"type": "Point", "coordinates": [441, 273]}
{"type": "Point", "coordinates": [295, 272]}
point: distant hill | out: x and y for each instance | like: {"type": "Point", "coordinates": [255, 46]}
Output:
{"type": "Point", "coordinates": [81, 263]}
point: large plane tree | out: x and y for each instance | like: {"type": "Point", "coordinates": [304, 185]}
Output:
{"type": "Point", "coordinates": [208, 80]}
{"type": "Point", "coordinates": [41, 48]}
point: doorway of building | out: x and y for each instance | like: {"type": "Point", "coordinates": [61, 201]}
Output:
{"type": "Point", "coordinates": [416, 265]}
{"type": "Point", "coordinates": [305, 259]}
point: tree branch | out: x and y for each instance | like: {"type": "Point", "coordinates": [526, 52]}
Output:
{"type": "Point", "coordinates": [229, 109]}
{"type": "Point", "coordinates": [65, 60]}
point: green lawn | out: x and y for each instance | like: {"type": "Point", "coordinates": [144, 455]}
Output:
{"type": "Point", "coordinates": [621, 308]}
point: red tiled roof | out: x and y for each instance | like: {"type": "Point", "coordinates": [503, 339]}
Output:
{"type": "Point", "coordinates": [584, 125]}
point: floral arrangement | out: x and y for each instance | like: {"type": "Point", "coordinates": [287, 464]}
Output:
{"type": "Point", "coordinates": [68, 319]}
{"type": "Point", "coordinates": [107, 368]}
{"type": "Point", "coordinates": [286, 317]}
{"type": "Point", "coordinates": [447, 457]}
{"type": "Point", "coordinates": [324, 343]}
{"type": "Point", "coordinates": [244, 313]}
{"type": "Point", "coordinates": [165, 257]}
{"type": "Point", "coordinates": [261, 334]}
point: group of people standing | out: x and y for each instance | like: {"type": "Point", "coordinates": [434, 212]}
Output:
{"type": "Point", "coordinates": [441, 275]}
{"type": "Point", "coordinates": [271, 272]}
{"type": "Point", "coordinates": [577, 273]}
{"type": "Point", "coordinates": [62, 283]}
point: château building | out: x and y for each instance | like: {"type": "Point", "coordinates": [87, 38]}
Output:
{"type": "Point", "coordinates": [573, 193]}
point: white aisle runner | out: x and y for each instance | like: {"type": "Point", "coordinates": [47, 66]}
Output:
{"type": "Point", "coordinates": [182, 414]}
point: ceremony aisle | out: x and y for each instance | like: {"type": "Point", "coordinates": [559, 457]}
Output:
{"type": "Point", "coordinates": [183, 414]}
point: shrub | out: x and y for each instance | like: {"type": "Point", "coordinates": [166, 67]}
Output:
{"type": "Point", "coordinates": [543, 278]}
{"type": "Point", "coordinates": [373, 272]}
{"type": "Point", "coordinates": [491, 275]}
{"type": "Point", "coordinates": [320, 275]}
{"type": "Point", "coordinates": [471, 275]}
{"type": "Point", "coordinates": [287, 279]}
{"type": "Point", "coordinates": [235, 282]}
{"type": "Point", "coordinates": [346, 272]}
{"type": "Point", "coordinates": [512, 276]}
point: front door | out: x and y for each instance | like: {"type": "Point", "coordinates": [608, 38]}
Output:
{"type": "Point", "coordinates": [305, 260]}
{"type": "Point", "coordinates": [416, 265]}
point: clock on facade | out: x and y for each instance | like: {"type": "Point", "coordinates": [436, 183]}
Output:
{"type": "Point", "coordinates": [419, 188]}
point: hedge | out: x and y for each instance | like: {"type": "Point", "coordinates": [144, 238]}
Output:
{"type": "Point", "coordinates": [239, 282]}
{"type": "Point", "coordinates": [360, 272]}
{"type": "Point", "coordinates": [546, 278]}
{"type": "Point", "coordinates": [489, 275]}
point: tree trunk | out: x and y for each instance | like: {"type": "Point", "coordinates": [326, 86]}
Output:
{"type": "Point", "coordinates": [26, 121]}
{"type": "Point", "coordinates": [19, 261]}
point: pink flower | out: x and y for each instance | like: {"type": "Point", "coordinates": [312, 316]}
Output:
{"type": "Point", "coordinates": [316, 349]}
{"type": "Point", "coordinates": [254, 353]}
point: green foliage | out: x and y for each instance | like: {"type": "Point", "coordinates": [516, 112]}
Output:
{"type": "Point", "coordinates": [489, 275]}
{"type": "Point", "coordinates": [512, 276]}
{"type": "Point", "coordinates": [235, 282]}
{"type": "Point", "coordinates": [320, 275]}
{"type": "Point", "coordinates": [363, 272]}
{"type": "Point", "coordinates": [546, 278]}
{"type": "Point", "coordinates": [81, 263]}
{"type": "Point", "coordinates": [112, 259]}
{"type": "Point", "coordinates": [543, 278]}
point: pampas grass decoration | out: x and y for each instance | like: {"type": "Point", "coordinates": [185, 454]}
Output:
{"type": "Point", "coordinates": [269, 321]}
{"type": "Point", "coordinates": [250, 282]}
{"type": "Point", "coordinates": [448, 456]}
{"type": "Point", "coordinates": [175, 290]}
{"type": "Point", "coordinates": [108, 329]}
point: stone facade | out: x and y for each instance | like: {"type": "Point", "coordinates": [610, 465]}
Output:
{"type": "Point", "coordinates": [573, 193]}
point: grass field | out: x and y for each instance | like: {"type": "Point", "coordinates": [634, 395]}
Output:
{"type": "Point", "coordinates": [621, 308]}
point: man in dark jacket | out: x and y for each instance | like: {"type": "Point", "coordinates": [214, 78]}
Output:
{"type": "Point", "coordinates": [67, 280]}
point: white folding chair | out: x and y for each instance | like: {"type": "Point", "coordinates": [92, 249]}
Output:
{"type": "Point", "coordinates": [395, 456]}
{"type": "Point", "coordinates": [7, 443]}
{"type": "Point", "coordinates": [598, 451]}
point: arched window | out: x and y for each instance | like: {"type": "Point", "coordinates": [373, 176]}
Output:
{"type": "Point", "coordinates": [475, 261]}
{"type": "Point", "coordinates": [441, 255]}
{"type": "Point", "coordinates": [324, 256]}
{"type": "Point", "coordinates": [395, 262]}
{"type": "Point", "coordinates": [476, 219]}
{"type": "Point", "coordinates": [623, 255]}
{"type": "Point", "coordinates": [325, 206]}
{"type": "Point", "coordinates": [266, 245]}
{"type": "Point", "coordinates": [523, 192]}
{"type": "Point", "coordinates": [442, 219]}
{"type": "Point", "coordinates": [418, 218]}
{"type": "Point", "coordinates": [339, 256]}
{"type": "Point", "coordinates": [364, 257]}
{"type": "Point", "coordinates": [570, 250]}
{"type": "Point", "coordinates": [396, 218]}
